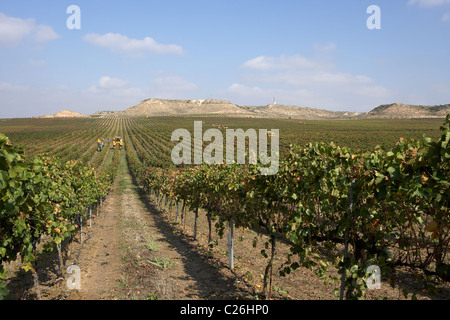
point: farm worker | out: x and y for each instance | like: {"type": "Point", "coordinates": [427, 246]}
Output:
{"type": "Point", "coordinates": [101, 144]}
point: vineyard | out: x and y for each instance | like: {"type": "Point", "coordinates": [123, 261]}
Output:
{"type": "Point", "coordinates": [349, 195]}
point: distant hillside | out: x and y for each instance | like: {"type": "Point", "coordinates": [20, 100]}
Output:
{"type": "Point", "coordinates": [66, 114]}
{"type": "Point", "coordinates": [183, 107]}
{"type": "Point", "coordinates": [164, 107]}
{"type": "Point", "coordinates": [103, 113]}
{"type": "Point", "coordinates": [403, 111]}
{"type": "Point", "coordinates": [283, 111]}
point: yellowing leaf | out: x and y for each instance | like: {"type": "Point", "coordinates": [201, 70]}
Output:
{"type": "Point", "coordinates": [424, 178]}
{"type": "Point", "coordinates": [431, 227]}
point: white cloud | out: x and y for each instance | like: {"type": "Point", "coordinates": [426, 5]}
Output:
{"type": "Point", "coordinates": [136, 47]}
{"type": "Point", "coordinates": [433, 3]}
{"type": "Point", "coordinates": [29, 101]}
{"type": "Point", "coordinates": [339, 78]}
{"type": "Point", "coordinates": [15, 30]}
{"type": "Point", "coordinates": [36, 63]}
{"type": "Point", "coordinates": [110, 83]}
{"type": "Point", "coordinates": [340, 98]}
{"type": "Point", "coordinates": [283, 62]}
{"type": "Point", "coordinates": [107, 94]}
{"type": "Point", "coordinates": [302, 81]}
{"type": "Point", "coordinates": [298, 71]}
{"type": "Point", "coordinates": [441, 88]}
{"type": "Point", "coordinates": [255, 95]}
{"type": "Point", "coordinates": [108, 86]}
{"type": "Point", "coordinates": [242, 90]}
{"type": "Point", "coordinates": [428, 3]}
{"type": "Point", "coordinates": [45, 34]}
{"type": "Point", "coordinates": [325, 48]}
{"type": "Point", "coordinates": [313, 77]}
{"type": "Point", "coordinates": [173, 83]}
{"type": "Point", "coordinates": [446, 17]}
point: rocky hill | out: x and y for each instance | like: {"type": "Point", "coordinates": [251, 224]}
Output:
{"type": "Point", "coordinates": [183, 107]}
{"type": "Point", "coordinates": [223, 107]}
{"type": "Point", "coordinates": [103, 113]}
{"type": "Point", "coordinates": [403, 111]}
{"type": "Point", "coordinates": [283, 111]}
{"type": "Point", "coordinates": [66, 114]}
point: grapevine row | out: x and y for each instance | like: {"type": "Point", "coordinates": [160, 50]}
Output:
{"type": "Point", "coordinates": [384, 207]}
{"type": "Point", "coordinates": [43, 196]}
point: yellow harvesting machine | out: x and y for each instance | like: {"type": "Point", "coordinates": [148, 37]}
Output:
{"type": "Point", "coordinates": [117, 142]}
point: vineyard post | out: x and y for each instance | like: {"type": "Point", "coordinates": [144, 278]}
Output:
{"type": "Point", "coordinates": [170, 208]}
{"type": "Point", "coordinates": [58, 247]}
{"type": "Point", "coordinates": [158, 203]}
{"type": "Point", "coordinates": [195, 223]}
{"type": "Point", "coordinates": [90, 216]}
{"type": "Point", "coordinates": [183, 215]}
{"type": "Point", "coordinates": [176, 212]}
{"type": "Point", "coordinates": [268, 272]}
{"type": "Point", "coordinates": [208, 215]}
{"type": "Point", "coordinates": [81, 228]}
{"type": "Point", "coordinates": [231, 245]}
{"type": "Point", "coordinates": [68, 249]}
{"type": "Point", "coordinates": [34, 271]}
{"type": "Point", "coordinates": [344, 271]}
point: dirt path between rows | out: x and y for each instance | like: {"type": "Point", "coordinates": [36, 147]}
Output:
{"type": "Point", "coordinates": [99, 258]}
{"type": "Point", "coordinates": [132, 252]}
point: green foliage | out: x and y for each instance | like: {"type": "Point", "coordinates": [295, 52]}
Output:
{"type": "Point", "coordinates": [42, 196]}
{"type": "Point", "coordinates": [388, 206]}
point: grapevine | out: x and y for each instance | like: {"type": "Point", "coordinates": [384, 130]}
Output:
{"type": "Point", "coordinates": [42, 196]}
{"type": "Point", "coordinates": [384, 207]}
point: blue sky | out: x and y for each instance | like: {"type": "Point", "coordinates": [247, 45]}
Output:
{"type": "Point", "coordinates": [305, 53]}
